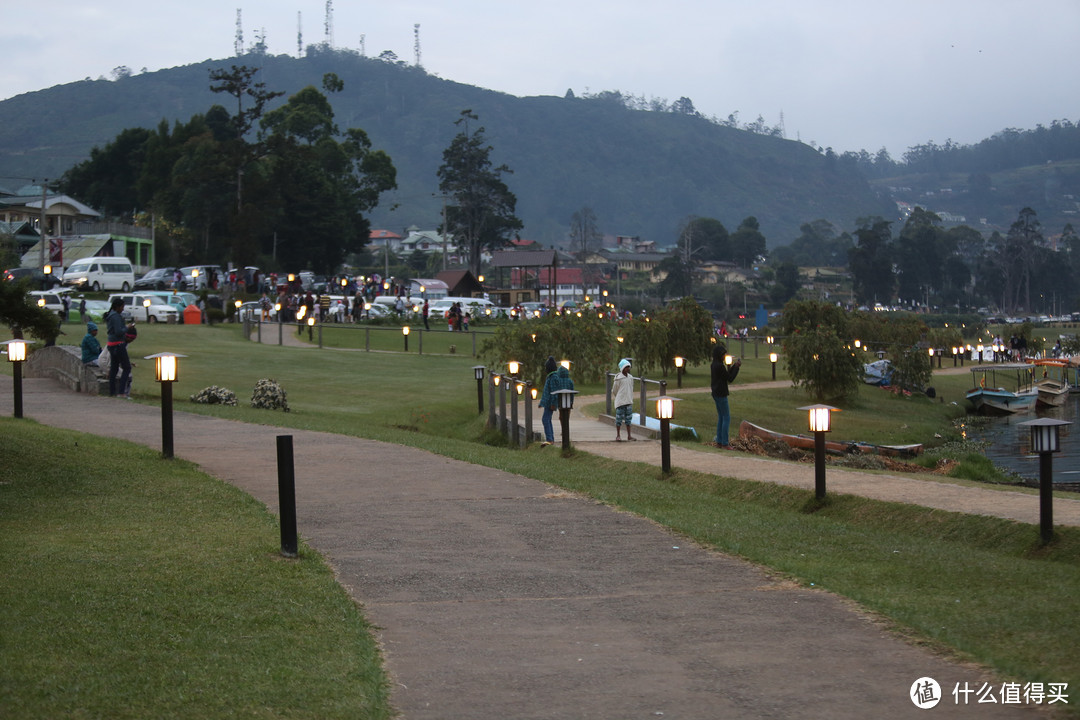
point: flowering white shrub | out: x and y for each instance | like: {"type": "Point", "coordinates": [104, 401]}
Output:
{"type": "Point", "coordinates": [269, 395]}
{"type": "Point", "coordinates": [214, 395]}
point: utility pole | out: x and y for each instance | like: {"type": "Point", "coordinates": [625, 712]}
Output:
{"type": "Point", "coordinates": [44, 235]}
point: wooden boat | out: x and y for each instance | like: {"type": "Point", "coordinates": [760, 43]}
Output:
{"type": "Point", "coordinates": [990, 398]}
{"type": "Point", "coordinates": [805, 442]}
{"type": "Point", "coordinates": [1051, 381]}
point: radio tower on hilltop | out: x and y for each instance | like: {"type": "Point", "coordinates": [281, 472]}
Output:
{"type": "Point", "coordinates": [329, 24]}
{"type": "Point", "coordinates": [238, 45]}
{"type": "Point", "coordinates": [416, 43]}
{"type": "Point", "coordinates": [299, 36]}
{"type": "Point", "coordinates": [363, 51]}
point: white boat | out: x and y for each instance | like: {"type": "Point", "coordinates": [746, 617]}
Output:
{"type": "Point", "coordinates": [1050, 381]}
{"type": "Point", "coordinates": [988, 397]}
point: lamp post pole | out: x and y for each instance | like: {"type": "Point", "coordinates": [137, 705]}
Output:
{"type": "Point", "coordinates": [820, 423]}
{"type": "Point", "coordinates": [16, 350]}
{"type": "Point", "coordinates": [478, 372]}
{"type": "Point", "coordinates": [566, 402]}
{"type": "Point", "coordinates": [1045, 440]}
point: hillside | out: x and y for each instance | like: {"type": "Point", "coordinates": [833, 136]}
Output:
{"type": "Point", "coordinates": [642, 173]}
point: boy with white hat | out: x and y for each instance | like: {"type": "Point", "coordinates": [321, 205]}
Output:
{"type": "Point", "coordinates": [622, 389]}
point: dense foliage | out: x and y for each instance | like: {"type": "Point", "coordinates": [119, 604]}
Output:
{"type": "Point", "coordinates": [817, 350]}
{"type": "Point", "coordinates": [299, 190]}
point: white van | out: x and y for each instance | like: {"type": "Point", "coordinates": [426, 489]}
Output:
{"type": "Point", "coordinates": [100, 273]}
{"type": "Point", "coordinates": [473, 306]}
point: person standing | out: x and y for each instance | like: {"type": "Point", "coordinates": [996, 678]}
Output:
{"type": "Point", "coordinates": [425, 311]}
{"type": "Point", "coordinates": [622, 388]}
{"type": "Point", "coordinates": [116, 342]}
{"type": "Point", "coordinates": [558, 378]}
{"type": "Point", "coordinates": [721, 376]}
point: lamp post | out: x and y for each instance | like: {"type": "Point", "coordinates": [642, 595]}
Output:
{"type": "Point", "coordinates": [166, 367]}
{"type": "Point", "coordinates": [310, 325]}
{"type": "Point", "coordinates": [1045, 440]}
{"type": "Point", "coordinates": [478, 372]}
{"type": "Point", "coordinates": [47, 272]}
{"type": "Point", "coordinates": [515, 393]}
{"type": "Point", "coordinates": [405, 334]}
{"type": "Point", "coordinates": [773, 357]}
{"type": "Point", "coordinates": [679, 362]}
{"type": "Point", "coordinates": [236, 304]}
{"type": "Point", "coordinates": [513, 366]}
{"type": "Point", "coordinates": [665, 410]}
{"type": "Point", "coordinates": [16, 350]}
{"type": "Point", "coordinates": [820, 417]}
{"type": "Point", "coordinates": [566, 402]}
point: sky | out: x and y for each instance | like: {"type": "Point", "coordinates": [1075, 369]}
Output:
{"type": "Point", "coordinates": [844, 74]}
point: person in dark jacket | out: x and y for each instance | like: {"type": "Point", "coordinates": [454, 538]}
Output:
{"type": "Point", "coordinates": [91, 348]}
{"type": "Point", "coordinates": [116, 334]}
{"type": "Point", "coordinates": [721, 376]}
{"type": "Point", "coordinates": [558, 378]}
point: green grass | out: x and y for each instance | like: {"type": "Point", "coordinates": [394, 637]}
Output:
{"type": "Point", "coordinates": [979, 587]}
{"type": "Point", "coordinates": [136, 587]}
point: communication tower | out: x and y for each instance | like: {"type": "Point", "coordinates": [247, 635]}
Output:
{"type": "Point", "coordinates": [238, 46]}
{"type": "Point", "coordinates": [299, 36]}
{"type": "Point", "coordinates": [416, 43]}
{"type": "Point", "coordinates": [329, 24]}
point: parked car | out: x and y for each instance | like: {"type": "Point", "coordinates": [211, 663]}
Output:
{"type": "Point", "coordinates": [36, 277]}
{"type": "Point", "coordinates": [198, 277]}
{"type": "Point", "coordinates": [179, 300]}
{"type": "Point", "coordinates": [51, 300]}
{"type": "Point", "coordinates": [156, 279]}
{"type": "Point", "coordinates": [252, 312]}
{"type": "Point", "coordinates": [147, 307]}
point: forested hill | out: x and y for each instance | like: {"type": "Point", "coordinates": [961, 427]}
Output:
{"type": "Point", "coordinates": [642, 173]}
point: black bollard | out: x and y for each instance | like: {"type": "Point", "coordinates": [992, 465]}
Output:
{"type": "Point", "coordinates": [287, 495]}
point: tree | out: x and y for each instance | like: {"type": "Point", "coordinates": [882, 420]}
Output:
{"type": "Point", "coordinates": [678, 276]}
{"type": "Point", "coordinates": [787, 283]}
{"type": "Point", "coordinates": [870, 262]}
{"type": "Point", "coordinates": [747, 242]}
{"type": "Point", "coordinates": [483, 213]}
{"type": "Point", "coordinates": [584, 232]}
{"type": "Point", "coordinates": [704, 238]}
{"type": "Point", "coordinates": [920, 252]}
{"type": "Point", "coordinates": [323, 185]}
{"type": "Point", "coordinates": [817, 350]}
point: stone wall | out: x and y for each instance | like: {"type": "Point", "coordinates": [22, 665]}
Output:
{"type": "Point", "coordinates": [64, 363]}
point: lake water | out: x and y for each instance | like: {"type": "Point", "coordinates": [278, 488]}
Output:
{"type": "Point", "coordinates": [1010, 443]}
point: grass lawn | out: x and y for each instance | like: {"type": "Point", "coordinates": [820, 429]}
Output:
{"type": "Point", "coordinates": [979, 587]}
{"type": "Point", "coordinates": [140, 588]}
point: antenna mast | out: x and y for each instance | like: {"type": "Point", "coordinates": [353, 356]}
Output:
{"type": "Point", "coordinates": [416, 43]}
{"type": "Point", "coordinates": [238, 45]}
{"type": "Point", "coordinates": [329, 24]}
{"type": "Point", "coordinates": [363, 52]}
{"type": "Point", "coordinates": [299, 36]}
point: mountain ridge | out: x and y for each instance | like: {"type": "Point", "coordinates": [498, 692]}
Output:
{"type": "Point", "coordinates": [643, 173]}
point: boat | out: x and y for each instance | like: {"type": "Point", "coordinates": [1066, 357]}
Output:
{"type": "Point", "coordinates": [750, 430]}
{"type": "Point", "coordinates": [1053, 386]}
{"type": "Point", "coordinates": [988, 397]}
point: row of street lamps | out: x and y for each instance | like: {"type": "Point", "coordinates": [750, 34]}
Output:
{"type": "Point", "coordinates": [1045, 432]}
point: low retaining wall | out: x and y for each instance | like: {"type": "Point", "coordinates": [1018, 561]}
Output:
{"type": "Point", "coordinates": [64, 363]}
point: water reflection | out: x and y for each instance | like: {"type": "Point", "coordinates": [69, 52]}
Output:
{"type": "Point", "coordinates": [1009, 444]}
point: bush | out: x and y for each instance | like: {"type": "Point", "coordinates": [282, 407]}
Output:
{"type": "Point", "coordinates": [268, 395]}
{"type": "Point", "coordinates": [214, 395]}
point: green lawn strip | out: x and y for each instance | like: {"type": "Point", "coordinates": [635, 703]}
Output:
{"type": "Point", "coordinates": [136, 587]}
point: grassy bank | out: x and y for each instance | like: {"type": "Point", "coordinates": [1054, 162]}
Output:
{"type": "Point", "coordinates": [138, 588]}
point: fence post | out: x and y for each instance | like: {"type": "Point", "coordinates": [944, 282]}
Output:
{"type": "Point", "coordinates": [644, 394]}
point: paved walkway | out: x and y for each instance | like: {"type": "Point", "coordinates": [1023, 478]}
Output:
{"type": "Point", "coordinates": [497, 596]}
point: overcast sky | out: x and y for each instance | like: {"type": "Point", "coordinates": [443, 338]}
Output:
{"type": "Point", "coordinates": [846, 74]}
